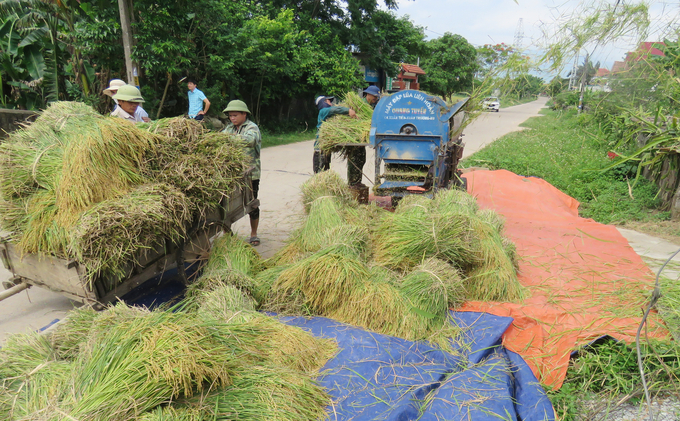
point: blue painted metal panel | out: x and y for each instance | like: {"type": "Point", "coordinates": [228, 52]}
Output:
{"type": "Point", "coordinates": [394, 149]}
{"type": "Point", "coordinates": [398, 184]}
{"type": "Point", "coordinates": [425, 113]}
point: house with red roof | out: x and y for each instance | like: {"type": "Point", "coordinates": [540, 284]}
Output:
{"type": "Point", "coordinates": [645, 49]}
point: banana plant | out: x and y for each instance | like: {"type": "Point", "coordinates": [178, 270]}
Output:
{"type": "Point", "coordinates": [36, 42]}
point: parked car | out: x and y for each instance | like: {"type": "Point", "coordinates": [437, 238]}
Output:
{"type": "Point", "coordinates": [491, 103]}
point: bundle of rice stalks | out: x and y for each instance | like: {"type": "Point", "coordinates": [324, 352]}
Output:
{"type": "Point", "coordinates": [290, 346]}
{"type": "Point", "coordinates": [324, 213]}
{"type": "Point", "coordinates": [269, 393]}
{"type": "Point", "coordinates": [455, 200]}
{"type": "Point", "coordinates": [25, 167]}
{"type": "Point", "coordinates": [40, 231]}
{"type": "Point", "coordinates": [359, 105]}
{"type": "Point", "coordinates": [326, 183]}
{"type": "Point", "coordinates": [265, 280]}
{"type": "Point", "coordinates": [12, 214]}
{"type": "Point", "coordinates": [404, 238]}
{"type": "Point", "coordinates": [225, 303]}
{"type": "Point", "coordinates": [231, 253]}
{"type": "Point", "coordinates": [177, 413]}
{"type": "Point", "coordinates": [324, 279]}
{"type": "Point", "coordinates": [187, 129]}
{"type": "Point", "coordinates": [147, 359]}
{"type": "Point", "coordinates": [341, 129]}
{"type": "Point", "coordinates": [325, 226]}
{"type": "Point", "coordinates": [432, 288]}
{"type": "Point", "coordinates": [102, 164]}
{"type": "Point", "coordinates": [206, 169]}
{"type": "Point", "coordinates": [117, 232]}
{"type": "Point", "coordinates": [493, 277]}
{"type": "Point", "coordinates": [380, 307]}
{"type": "Point", "coordinates": [232, 262]}
{"type": "Point", "coordinates": [23, 353]}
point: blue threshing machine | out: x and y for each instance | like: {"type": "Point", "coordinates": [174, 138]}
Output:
{"type": "Point", "coordinates": [418, 142]}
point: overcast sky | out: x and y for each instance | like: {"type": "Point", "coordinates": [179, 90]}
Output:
{"type": "Point", "coordinates": [495, 21]}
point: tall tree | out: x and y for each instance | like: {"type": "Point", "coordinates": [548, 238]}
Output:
{"type": "Point", "coordinates": [450, 66]}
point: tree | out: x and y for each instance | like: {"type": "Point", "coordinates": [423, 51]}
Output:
{"type": "Point", "coordinates": [585, 72]}
{"type": "Point", "coordinates": [450, 66]}
{"type": "Point", "coordinates": [557, 85]}
{"type": "Point", "coordinates": [491, 57]}
{"type": "Point", "coordinates": [526, 86]}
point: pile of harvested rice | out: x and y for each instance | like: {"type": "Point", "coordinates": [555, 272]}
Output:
{"type": "Point", "coordinates": [102, 191]}
{"type": "Point", "coordinates": [130, 363]}
{"type": "Point", "coordinates": [396, 273]}
{"type": "Point", "coordinates": [342, 129]}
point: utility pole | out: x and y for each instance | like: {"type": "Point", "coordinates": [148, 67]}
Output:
{"type": "Point", "coordinates": [131, 67]}
{"type": "Point", "coordinates": [583, 83]}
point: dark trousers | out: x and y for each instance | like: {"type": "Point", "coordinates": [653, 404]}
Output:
{"type": "Point", "coordinates": [255, 213]}
{"type": "Point", "coordinates": [356, 158]}
{"type": "Point", "coordinates": [321, 161]}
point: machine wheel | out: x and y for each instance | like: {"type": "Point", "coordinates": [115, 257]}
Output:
{"type": "Point", "coordinates": [193, 253]}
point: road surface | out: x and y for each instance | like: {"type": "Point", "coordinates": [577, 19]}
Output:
{"type": "Point", "coordinates": [284, 168]}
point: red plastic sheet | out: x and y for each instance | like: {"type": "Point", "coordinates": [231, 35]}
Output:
{"type": "Point", "coordinates": [583, 279]}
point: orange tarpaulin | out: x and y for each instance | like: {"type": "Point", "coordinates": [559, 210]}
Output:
{"type": "Point", "coordinates": [583, 279]}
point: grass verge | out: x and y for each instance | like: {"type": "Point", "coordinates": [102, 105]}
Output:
{"type": "Point", "coordinates": [562, 150]}
{"type": "Point", "coordinates": [278, 139]}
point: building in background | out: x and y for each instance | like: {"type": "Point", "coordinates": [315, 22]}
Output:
{"type": "Point", "coordinates": [407, 78]}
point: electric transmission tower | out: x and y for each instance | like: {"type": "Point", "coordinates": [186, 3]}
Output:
{"type": "Point", "coordinates": [519, 35]}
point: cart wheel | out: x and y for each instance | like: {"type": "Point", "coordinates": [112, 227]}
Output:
{"type": "Point", "coordinates": [192, 254]}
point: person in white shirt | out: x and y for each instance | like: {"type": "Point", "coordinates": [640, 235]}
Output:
{"type": "Point", "coordinates": [129, 98]}
{"type": "Point", "coordinates": [114, 84]}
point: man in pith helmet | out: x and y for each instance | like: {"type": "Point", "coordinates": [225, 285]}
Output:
{"type": "Point", "coordinates": [248, 131]}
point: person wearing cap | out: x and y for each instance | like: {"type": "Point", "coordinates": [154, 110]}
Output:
{"type": "Point", "coordinates": [372, 95]}
{"type": "Point", "coordinates": [196, 101]}
{"type": "Point", "coordinates": [248, 132]}
{"type": "Point", "coordinates": [322, 161]}
{"type": "Point", "coordinates": [356, 155]}
{"type": "Point", "coordinates": [114, 84]}
{"type": "Point", "coordinates": [128, 98]}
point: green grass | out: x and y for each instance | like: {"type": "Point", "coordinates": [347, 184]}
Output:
{"type": "Point", "coordinates": [509, 101]}
{"type": "Point", "coordinates": [561, 149]}
{"type": "Point", "coordinates": [278, 139]}
{"type": "Point", "coordinates": [606, 375]}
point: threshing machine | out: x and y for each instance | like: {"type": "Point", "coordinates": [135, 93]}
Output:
{"type": "Point", "coordinates": [418, 142]}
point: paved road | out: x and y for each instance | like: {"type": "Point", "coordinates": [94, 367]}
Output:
{"type": "Point", "coordinates": [284, 169]}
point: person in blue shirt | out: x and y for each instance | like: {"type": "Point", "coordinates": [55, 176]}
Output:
{"type": "Point", "coordinates": [196, 101]}
{"type": "Point", "coordinates": [322, 161]}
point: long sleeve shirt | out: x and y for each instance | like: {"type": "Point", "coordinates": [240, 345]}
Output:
{"type": "Point", "coordinates": [250, 134]}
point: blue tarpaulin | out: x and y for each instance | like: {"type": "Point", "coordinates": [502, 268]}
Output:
{"type": "Point", "coordinates": [379, 377]}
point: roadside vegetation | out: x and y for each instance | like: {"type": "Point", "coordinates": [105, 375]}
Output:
{"type": "Point", "coordinates": [615, 149]}
{"type": "Point", "coordinates": [562, 148]}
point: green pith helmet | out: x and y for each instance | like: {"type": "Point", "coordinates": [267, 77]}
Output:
{"type": "Point", "coordinates": [128, 93]}
{"type": "Point", "coordinates": [236, 105]}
